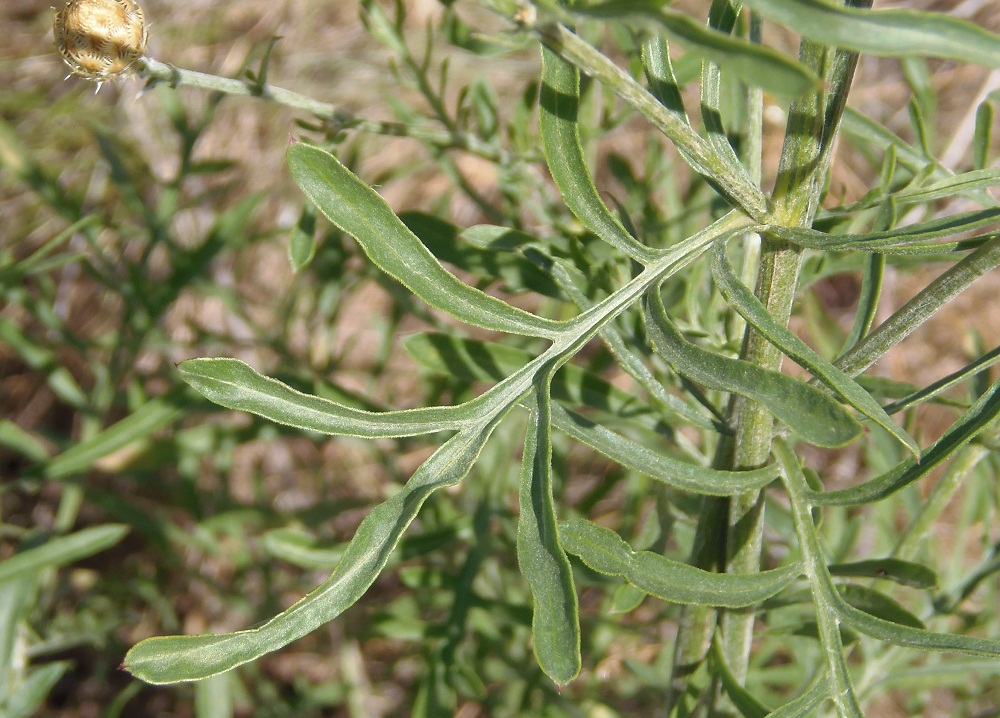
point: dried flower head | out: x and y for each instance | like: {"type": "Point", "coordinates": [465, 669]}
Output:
{"type": "Point", "coordinates": [100, 39]}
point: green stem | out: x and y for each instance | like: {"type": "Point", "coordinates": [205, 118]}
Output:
{"type": "Point", "coordinates": [812, 124]}
{"type": "Point", "coordinates": [335, 119]}
{"type": "Point", "coordinates": [916, 311]}
{"type": "Point", "coordinates": [821, 584]}
{"type": "Point", "coordinates": [698, 153]}
{"type": "Point", "coordinates": [941, 495]}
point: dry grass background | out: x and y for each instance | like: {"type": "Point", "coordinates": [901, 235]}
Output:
{"type": "Point", "coordinates": [325, 52]}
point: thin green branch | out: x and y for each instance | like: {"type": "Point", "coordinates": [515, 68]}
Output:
{"type": "Point", "coordinates": [334, 118]}
{"type": "Point", "coordinates": [915, 312]}
{"type": "Point", "coordinates": [731, 180]}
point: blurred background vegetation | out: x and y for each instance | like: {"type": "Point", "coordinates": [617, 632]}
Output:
{"type": "Point", "coordinates": [181, 211]}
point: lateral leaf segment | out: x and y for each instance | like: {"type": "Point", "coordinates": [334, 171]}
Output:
{"type": "Point", "coordinates": [357, 209]}
{"type": "Point", "coordinates": [756, 65]}
{"type": "Point", "coordinates": [751, 309]}
{"type": "Point", "coordinates": [555, 622]}
{"type": "Point", "coordinates": [606, 552]}
{"type": "Point", "coordinates": [235, 385]}
{"type": "Point", "coordinates": [981, 414]}
{"type": "Point", "coordinates": [172, 659]}
{"type": "Point", "coordinates": [469, 359]}
{"type": "Point", "coordinates": [901, 238]}
{"type": "Point", "coordinates": [559, 105]}
{"type": "Point", "coordinates": [811, 413]}
{"type": "Point", "coordinates": [829, 600]}
{"type": "Point", "coordinates": [893, 33]}
{"type": "Point", "coordinates": [658, 465]}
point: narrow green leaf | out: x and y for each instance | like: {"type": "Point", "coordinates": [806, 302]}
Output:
{"type": "Point", "coordinates": [877, 604]}
{"type": "Point", "coordinates": [43, 360]}
{"type": "Point", "coordinates": [657, 464]}
{"type": "Point", "coordinates": [950, 186]}
{"type": "Point", "coordinates": [983, 135]}
{"type": "Point", "coordinates": [751, 309]}
{"type": "Point", "coordinates": [915, 312]}
{"type": "Point", "coordinates": [812, 414]}
{"type": "Point", "coordinates": [880, 241]}
{"type": "Point", "coordinates": [742, 699]}
{"type": "Point", "coordinates": [807, 703]}
{"type": "Point", "coordinates": [906, 573]}
{"type": "Point", "coordinates": [979, 415]}
{"type": "Point", "coordinates": [302, 240]}
{"type": "Point", "coordinates": [660, 76]}
{"type": "Point", "coordinates": [34, 690]}
{"type": "Point", "coordinates": [559, 105]}
{"type": "Point", "coordinates": [62, 550]}
{"type": "Point", "coordinates": [901, 635]}
{"type": "Point", "coordinates": [23, 442]}
{"type": "Point", "coordinates": [555, 623]}
{"type": "Point", "coordinates": [894, 33]}
{"type": "Point", "coordinates": [299, 549]}
{"type": "Point", "coordinates": [357, 209]}
{"type": "Point", "coordinates": [868, 298]}
{"type": "Point", "coordinates": [172, 659]}
{"type": "Point", "coordinates": [722, 20]}
{"type": "Point", "coordinates": [756, 65]}
{"type": "Point", "coordinates": [869, 135]}
{"type": "Point", "coordinates": [606, 552]}
{"type": "Point", "coordinates": [235, 385]}
{"type": "Point", "coordinates": [149, 418]}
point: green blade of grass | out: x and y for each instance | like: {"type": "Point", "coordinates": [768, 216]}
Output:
{"type": "Point", "coordinates": [62, 550]}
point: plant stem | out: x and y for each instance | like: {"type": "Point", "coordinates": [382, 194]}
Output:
{"type": "Point", "coordinates": [732, 181]}
{"type": "Point", "coordinates": [916, 311]}
{"type": "Point", "coordinates": [812, 126]}
{"type": "Point", "coordinates": [334, 118]}
{"type": "Point", "coordinates": [941, 495]}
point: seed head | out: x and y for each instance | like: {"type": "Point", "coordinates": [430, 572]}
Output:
{"type": "Point", "coordinates": [100, 40]}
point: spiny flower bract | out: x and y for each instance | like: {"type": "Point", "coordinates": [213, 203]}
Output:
{"type": "Point", "coordinates": [100, 40]}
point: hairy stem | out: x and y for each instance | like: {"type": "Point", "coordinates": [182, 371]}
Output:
{"type": "Point", "coordinates": [334, 118]}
